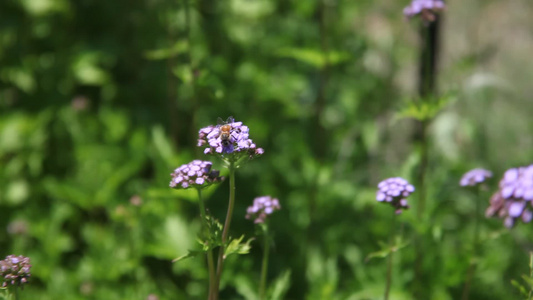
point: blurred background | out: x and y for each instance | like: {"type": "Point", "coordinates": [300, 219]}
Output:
{"type": "Point", "coordinates": [101, 100]}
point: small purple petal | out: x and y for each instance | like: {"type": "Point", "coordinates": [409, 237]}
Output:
{"type": "Point", "coordinates": [516, 209]}
{"type": "Point", "coordinates": [380, 196]}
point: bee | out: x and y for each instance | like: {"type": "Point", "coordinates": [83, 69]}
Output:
{"type": "Point", "coordinates": [225, 130]}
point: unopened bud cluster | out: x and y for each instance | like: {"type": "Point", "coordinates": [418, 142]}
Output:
{"type": "Point", "coordinates": [261, 208]}
{"type": "Point", "coordinates": [14, 270]}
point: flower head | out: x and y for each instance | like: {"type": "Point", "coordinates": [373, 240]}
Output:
{"type": "Point", "coordinates": [197, 174]}
{"type": "Point", "coordinates": [513, 197]}
{"type": "Point", "coordinates": [474, 177]}
{"type": "Point", "coordinates": [262, 207]}
{"type": "Point", "coordinates": [426, 8]}
{"type": "Point", "coordinates": [395, 191]}
{"type": "Point", "coordinates": [228, 138]}
{"type": "Point", "coordinates": [14, 270]}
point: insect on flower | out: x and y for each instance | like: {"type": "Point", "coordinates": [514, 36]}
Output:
{"type": "Point", "coordinates": [225, 130]}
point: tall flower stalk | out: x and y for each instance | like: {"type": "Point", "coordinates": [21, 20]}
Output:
{"type": "Point", "coordinates": [388, 281]}
{"type": "Point", "coordinates": [473, 179]}
{"type": "Point", "coordinates": [229, 141]}
{"type": "Point", "coordinates": [427, 11]}
{"type": "Point", "coordinates": [259, 211]}
{"type": "Point", "coordinates": [395, 192]}
{"type": "Point", "coordinates": [198, 174]}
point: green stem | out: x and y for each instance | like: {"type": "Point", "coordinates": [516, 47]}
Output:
{"type": "Point", "coordinates": [530, 274]}
{"type": "Point", "coordinates": [210, 260]}
{"type": "Point", "coordinates": [389, 258]}
{"type": "Point", "coordinates": [16, 293]}
{"type": "Point", "coordinates": [264, 267]}
{"type": "Point", "coordinates": [472, 267]}
{"type": "Point", "coordinates": [225, 232]}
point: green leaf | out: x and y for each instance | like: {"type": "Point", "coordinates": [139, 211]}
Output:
{"type": "Point", "coordinates": [281, 285]}
{"type": "Point", "coordinates": [87, 69]}
{"type": "Point", "coordinates": [528, 280]}
{"type": "Point", "coordinates": [314, 57]}
{"type": "Point", "coordinates": [215, 229]}
{"type": "Point", "coordinates": [191, 253]}
{"type": "Point", "coordinates": [425, 109]}
{"type": "Point", "coordinates": [386, 250]}
{"type": "Point", "coordinates": [236, 247]}
{"type": "Point", "coordinates": [520, 287]}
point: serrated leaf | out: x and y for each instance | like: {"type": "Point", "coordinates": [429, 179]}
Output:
{"type": "Point", "coordinates": [214, 240]}
{"type": "Point", "coordinates": [236, 247]}
{"type": "Point", "coordinates": [215, 229]}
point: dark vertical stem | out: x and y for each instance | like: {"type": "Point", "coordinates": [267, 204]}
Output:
{"type": "Point", "coordinates": [428, 58]}
{"type": "Point", "coordinates": [225, 231]}
{"type": "Point", "coordinates": [427, 90]}
{"type": "Point", "coordinates": [388, 282]}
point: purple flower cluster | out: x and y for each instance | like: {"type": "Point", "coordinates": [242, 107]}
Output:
{"type": "Point", "coordinates": [474, 177]}
{"type": "Point", "coordinates": [197, 174]}
{"type": "Point", "coordinates": [395, 191]}
{"type": "Point", "coordinates": [262, 207]}
{"type": "Point", "coordinates": [237, 140]}
{"type": "Point", "coordinates": [426, 8]}
{"type": "Point", "coordinates": [515, 193]}
{"type": "Point", "coordinates": [14, 270]}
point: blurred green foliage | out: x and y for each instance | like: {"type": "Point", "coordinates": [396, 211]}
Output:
{"type": "Point", "coordinates": [101, 100]}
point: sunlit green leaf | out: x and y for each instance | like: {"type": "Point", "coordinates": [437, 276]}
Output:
{"type": "Point", "coordinates": [235, 246]}
{"type": "Point", "coordinates": [315, 58]}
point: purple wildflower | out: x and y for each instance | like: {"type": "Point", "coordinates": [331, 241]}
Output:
{"type": "Point", "coordinates": [474, 177]}
{"type": "Point", "coordinates": [427, 9]}
{"type": "Point", "coordinates": [228, 138]}
{"type": "Point", "coordinates": [515, 193]}
{"type": "Point", "coordinates": [262, 207]}
{"type": "Point", "coordinates": [14, 270]}
{"type": "Point", "coordinates": [197, 174]}
{"type": "Point", "coordinates": [395, 191]}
